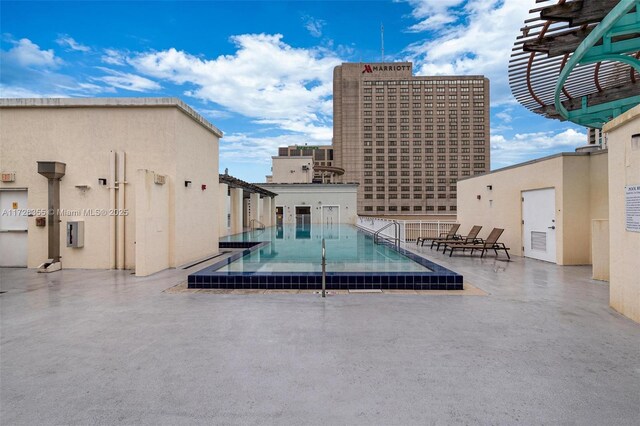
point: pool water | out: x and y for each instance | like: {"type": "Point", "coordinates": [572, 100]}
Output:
{"type": "Point", "coordinates": [299, 249]}
{"type": "Point", "coordinates": [290, 258]}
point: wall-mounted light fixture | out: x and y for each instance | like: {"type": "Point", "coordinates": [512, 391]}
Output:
{"type": "Point", "coordinates": [102, 181]}
{"type": "Point", "coordinates": [489, 187]}
{"type": "Point", "coordinates": [203, 186]}
{"type": "Point", "coordinates": [635, 142]}
{"type": "Point", "coordinates": [478, 196]}
{"type": "Point", "coordinates": [187, 184]}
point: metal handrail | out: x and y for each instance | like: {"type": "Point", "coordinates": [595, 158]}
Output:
{"type": "Point", "coordinates": [324, 270]}
{"type": "Point", "coordinates": [396, 239]}
{"type": "Point", "coordinates": [253, 222]}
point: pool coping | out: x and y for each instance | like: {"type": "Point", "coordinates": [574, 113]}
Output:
{"type": "Point", "coordinates": [440, 278]}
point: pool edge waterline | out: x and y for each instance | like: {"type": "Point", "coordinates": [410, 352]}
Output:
{"type": "Point", "coordinates": [438, 278]}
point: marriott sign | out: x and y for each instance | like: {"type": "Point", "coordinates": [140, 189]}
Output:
{"type": "Point", "coordinates": [368, 69]}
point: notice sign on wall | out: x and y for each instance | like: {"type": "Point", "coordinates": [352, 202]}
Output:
{"type": "Point", "coordinates": [632, 207]}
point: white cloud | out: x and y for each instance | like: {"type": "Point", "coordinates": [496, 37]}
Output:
{"type": "Point", "coordinates": [214, 113]}
{"type": "Point", "coordinates": [524, 146]}
{"type": "Point", "coordinates": [67, 41]}
{"type": "Point", "coordinates": [25, 53]}
{"type": "Point", "coordinates": [432, 14]}
{"type": "Point", "coordinates": [127, 81]}
{"type": "Point", "coordinates": [473, 37]}
{"type": "Point", "coordinates": [266, 79]}
{"type": "Point", "coordinates": [505, 115]}
{"type": "Point", "coordinates": [313, 25]}
{"type": "Point", "coordinates": [245, 148]}
{"type": "Point", "coordinates": [7, 91]}
{"type": "Point", "coordinates": [113, 57]}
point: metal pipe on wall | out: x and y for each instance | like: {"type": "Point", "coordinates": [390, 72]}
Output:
{"type": "Point", "coordinates": [112, 208]}
{"type": "Point", "coordinates": [120, 210]}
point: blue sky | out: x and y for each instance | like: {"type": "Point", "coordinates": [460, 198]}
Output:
{"type": "Point", "coordinates": [261, 71]}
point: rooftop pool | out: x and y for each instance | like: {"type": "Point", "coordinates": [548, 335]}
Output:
{"type": "Point", "coordinates": [289, 257]}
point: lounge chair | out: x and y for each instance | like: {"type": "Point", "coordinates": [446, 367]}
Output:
{"type": "Point", "coordinates": [491, 243]}
{"type": "Point", "coordinates": [470, 238]}
{"type": "Point", "coordinates": [444, 236]}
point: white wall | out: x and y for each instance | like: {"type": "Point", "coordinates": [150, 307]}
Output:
{"type": "Point", "coordinates": [316, 196]}
{"type": "Point", "coordinates": [155, 134]}
{"type": "Point", "coordinates": [290, 169]}
{"type": "Point", "coordinates": [624, 170]}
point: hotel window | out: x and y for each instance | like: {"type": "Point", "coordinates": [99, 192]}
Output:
{"type": "Point", "coordinates": [380, 196]}
{"type": "Point", "coordinates": [429, 208]}
{"type": "Point", "coordinates": [405, 196]}
{"type": "Point", "coordinates": [453, 208]}
{"type": "Point", "coordinates": [393, 208]}
{"type": "Point", "coordinates": [368, 181]}
{"type": "Point", "coordinates": [380, 173]}
{"type": "Point", "coordinates": [379, 89]}
{"type": "Point", "coordinates": [380, 208]}
{"type": "Point", "coordinates": [417, 208]}
{"type": "Point", "coordinates": [391, 105]}
{"type": "Point", "coordinates": [367, 128]}
{"type": "Point", "coordinates": [379, 151]}
{"type": "Point", "coordinates": [416, 105]}
{"type": "Point", "coordinates": [368, 208]}
{"type": "Point", "coordinates": [417, 172]}
{"type": "Point", "coordinates": [478, 158]}
{"type": "Point", "coordinates": [368, 189]}
{"type": "Point", "coordinates": [367, 90]}
{"type": "Point", "coordinates": [367, 158]}
{"type": "Point", "coordinates": [366, 112]}
{"type": "Point", "coordinates": [367, 105]}
{"type": "Point", "coordinates": [392, 98]}
{"type": "Point", "coordinates": [368, 196]}
{"type": "Point", "coordinates": [367, 98]}
{"type": "Point", "coordinates": [393, 189]}
{"type": "Point", "coordinates": [368, 173]}
{"type": "Point", "coordinates": [405, 208]}
{"type": "Point", "coordinates": [393, 196]}
{"type": "Point", "coordinates": [381, 113]}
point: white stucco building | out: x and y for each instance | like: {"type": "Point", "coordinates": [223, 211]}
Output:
{"type": "Point", "coordinates": [140, 175]}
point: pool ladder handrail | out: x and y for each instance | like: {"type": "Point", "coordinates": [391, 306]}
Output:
{"type": "Point", "coordinates": [396, 238]}
{"type": "Point", "coordinates": [253, 226]}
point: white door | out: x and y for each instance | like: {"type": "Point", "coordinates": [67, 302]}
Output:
{"type": "Point", "coordinates": [539, 224]}
{"type": "Point", "coordinates": [13, 228]}
{"type": "Point", "coordinates": [330, 215]}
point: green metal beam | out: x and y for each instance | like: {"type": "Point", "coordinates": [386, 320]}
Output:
{"type": "Point", "coordinates": [618, 22]}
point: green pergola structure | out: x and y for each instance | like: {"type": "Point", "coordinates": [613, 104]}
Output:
{"type": "Point", "coordinates": [578, 60]}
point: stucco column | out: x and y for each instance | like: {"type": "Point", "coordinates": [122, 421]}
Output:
{"type": "Point", "coordinates": [273, 211]}
{"type": "Point", "coordinates": [237, 210]}
{"type": "Point", "coordinates": [223, 193]}
{"type": "Point", "coordinates": [254, 202]}
{"type": "Point", "coordinates": [266, 211]}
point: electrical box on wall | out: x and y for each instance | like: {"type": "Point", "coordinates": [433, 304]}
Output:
{"type": "Point", "coordinates": [75, 234]}
{"type": "Point", "coordinates": [8, 176]}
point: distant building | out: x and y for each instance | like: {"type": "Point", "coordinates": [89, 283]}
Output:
{"type": "Point", "coordinates": [303, 164]}
{"type": "Point", "coordinates": [407, 139]}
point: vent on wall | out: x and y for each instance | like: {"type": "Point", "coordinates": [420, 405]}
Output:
{"type": "Point", "coordinates": [539, 241]}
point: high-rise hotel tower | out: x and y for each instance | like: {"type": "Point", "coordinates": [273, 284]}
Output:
{"type": "Point", "coordinates": [407, 139]}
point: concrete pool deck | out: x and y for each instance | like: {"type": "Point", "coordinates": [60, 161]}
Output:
{"type": "Point", "coordinates": [86, 347]}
